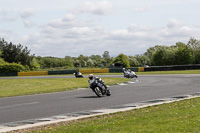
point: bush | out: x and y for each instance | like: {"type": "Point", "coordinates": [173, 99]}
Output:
{"type": "Point", "coordinates": [2, 61]}
{"type": "Point", "coordinates": [11, 67]}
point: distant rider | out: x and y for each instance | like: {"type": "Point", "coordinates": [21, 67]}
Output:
{"type": "Point", "coordinates": [125, 72]}
{"type": "Point", "coordinates": [128, 73]}
{"type": "Point", "coordinates": [76, 73]}
{"type": "Point", "coordinates": [133, 73]}
{"type": "Point", "coordinates": [99, 80]}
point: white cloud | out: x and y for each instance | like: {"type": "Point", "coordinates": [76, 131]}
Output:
{"type": "Point", "coordinates": [176, 29]}
{"type": "Point", "coordinates": [97, 8]}
{"type": "Point", "coordinates": [8, 19]}
{"type": "Point", "coordinates": [7, 16]}
{"type": "Point", "coordinates": [8, 35]}
{"type": "Point", "coordinates": [128, 27]}
{"type": "Point", "coordinates": [66, 36]}
{"type": "Point", "coordinates": [173, 23]}
{"type": "Point", "coordinates": [143, 9]}
{"type": "Point", "coordinates": [29, 23]}
{"type": "Point", "coordinates": [3, 12]}
{"type": "Point", "coordinates": [61, 40]}
{"type": "Point", "coordinates": [26, 13]}
{"type": "Point", "coordinates": [68, 21]}
{"type": "Point", "coordinates": [69, 17]}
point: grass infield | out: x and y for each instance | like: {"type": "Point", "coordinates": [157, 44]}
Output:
{"type": "Point", "coordinates": [156, 72]}
{"type": "Point", "coordinates": [169, 72]}
{"type": "Point", "coordinates": [19, 87]}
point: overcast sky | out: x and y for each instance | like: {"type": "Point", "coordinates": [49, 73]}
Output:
{"type": "Point", "coordinates": [62, 28]}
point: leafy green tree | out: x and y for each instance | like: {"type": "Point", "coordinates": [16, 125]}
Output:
{"type": "Point", "coordinates": [2, 43]}
{"type": "Point", "coordinates": [179, 44]}
{"type": "Point", "coordinates": [50, 62]}
{"type": "Point", "coordinates": [83, 60]}
{"type": "Point", "coordinates": [197, 57]}
{"type": "Point", "coordinates": [106, 60]}
{"type": "Point", "coordinates": [121, 58]}
{"type": "Point", "coordinates": [16, 53]}
{"type": "Point", "coordinates": [133, 61]}
{"type": "Point", "coordinates": [169, 56]}
{"type": "Point", "coordinates": [158, 57]}
{"type": "Point", "coordinates": [70, 61]}
{"type": "Point", "coordinates": [97, 60]}
{"type": "Point", "coordinates": [0, 52]}
{"type": "Point", "coordinates": [193, 43]}
{"type": "Point", "coordinates": [77, 63]}
{"type": "Point", "coordinates": [150, 54]}
{"type": "Point", "coordinates": [183, 56]}
{"type": "Point", "coordinates": [90, 63]}
{"type": "Point", "coordinates": [106, 54]}
{"type": "Point", "coordinates": [194, 46]}
{"type": "Point", "coordinates": [34, 64]}
{"type": "Point", "coordinates": [46, 62]}
{"type": "Point", "coordinates": [142, 60]}
{"type": "Point", "coordinates": [161, 55]}
{"type": "Point", "coordinates": [1, 59]}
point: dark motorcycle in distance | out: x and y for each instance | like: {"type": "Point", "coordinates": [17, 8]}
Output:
{"type": "Point", "coordinates": [78, 74]}
{"type": "Point", "coordinates": [99, 88]}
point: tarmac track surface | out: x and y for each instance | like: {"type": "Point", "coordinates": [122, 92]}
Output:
{"type": "Point", "coordinates": [147, 88]}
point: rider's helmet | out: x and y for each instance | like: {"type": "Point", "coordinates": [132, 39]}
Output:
{"type": "Point", "coordinates": [91, 76]}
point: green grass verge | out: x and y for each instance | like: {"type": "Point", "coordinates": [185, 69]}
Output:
{"type": "Point", "coordinates": [176, 117]}
{"type": "Point", "coordinates": [156, 72]}
{"type": "Point", "coordinates": [19, 87]}
{"type": "Point", "coordinates": [170, 72]}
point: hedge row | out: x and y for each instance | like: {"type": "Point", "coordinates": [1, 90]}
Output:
{"type": "Point", "coordinates": [95, 71]}
{"type": "Point", "coordinates": [172, 68]}
{"type": "Point", "coordinates": [11, 67]}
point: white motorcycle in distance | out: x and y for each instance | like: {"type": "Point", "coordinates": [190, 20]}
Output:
{"type": "Point", "coordinates": [129, 74]}
{"type": "Point", "coordinates": [78, 74]}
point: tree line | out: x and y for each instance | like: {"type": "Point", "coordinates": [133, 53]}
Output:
{"type": "Point", "coordinates": [159, 55]}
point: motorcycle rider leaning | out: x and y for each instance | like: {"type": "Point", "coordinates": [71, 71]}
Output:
{"type": "Point", "coordinates": [91, 77]}
{"type": "Point", "coordinates": [129, 72]}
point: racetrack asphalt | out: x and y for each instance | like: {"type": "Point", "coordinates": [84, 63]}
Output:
{"type": "Point", "coordinates": [148, 87]}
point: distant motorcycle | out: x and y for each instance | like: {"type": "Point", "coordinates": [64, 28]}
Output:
{"type": "Point", "coordinates": [98, 88]}
{"type": "Point", "coordinates": [78, 74]}
{"type": "Point", "coordinates": [129, 73]}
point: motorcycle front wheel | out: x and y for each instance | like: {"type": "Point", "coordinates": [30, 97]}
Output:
{"type": "Point", "coordinates": [98, 92]}
{"type": "Point", "coordinates": [108, 93]}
